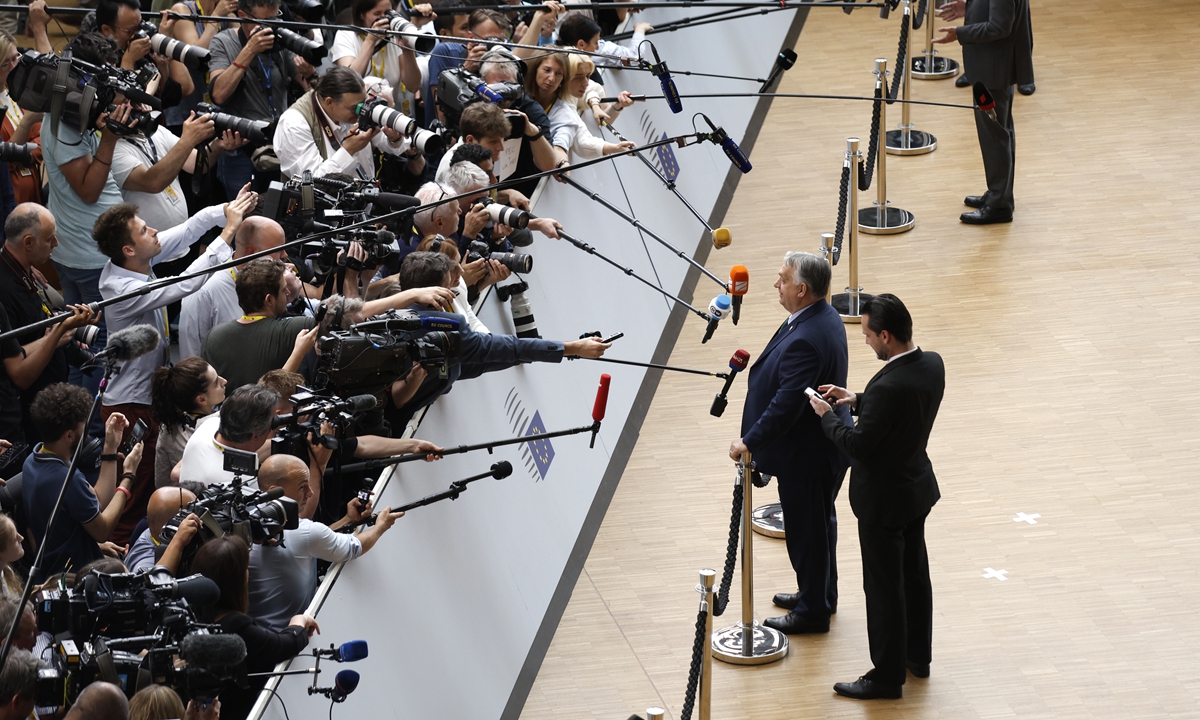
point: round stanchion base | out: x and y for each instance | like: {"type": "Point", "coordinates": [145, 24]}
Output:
{"type": "Point", "coordinates": [768, 520]}
{"type": "Point", "coordinates": [768, 645]}
{"type": "Point", "coordinates": [889, 222]}
{"type": "Point", "coordinates": [943, 68]}
{"type": "Point", "coordinates": [841, 303]}
{"type": "Point", "coordinates": [913, 142]}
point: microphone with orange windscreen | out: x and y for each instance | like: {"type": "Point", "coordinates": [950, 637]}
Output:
{"type": "Point", "coordinates": [739, 283]}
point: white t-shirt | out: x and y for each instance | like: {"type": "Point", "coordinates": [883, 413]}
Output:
{"type": "Point", "coordinates": [384, 64]}
{"type": "Point", "coordinates": [204, 458]}
{"type": "Point", "coordinates": [161, 211]}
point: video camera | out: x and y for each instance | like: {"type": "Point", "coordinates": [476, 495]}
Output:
{"type": "Point", "coordinates": [458, 88]}
{"type": "Point", "coordinates": [377, 352]}
{"type": "Point", "coordinates": [310, 411]}
{"type": "Point", "coordinates": [77, 92]}
{"type": "Point", "coordinates": [100, 628]}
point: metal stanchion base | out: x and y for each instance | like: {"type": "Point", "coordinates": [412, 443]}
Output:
{"type": "Point", "coordinates": [768, 520]}
{"type": "Point", "coordinates": [889, 222]}
{"type": "Point", "coordinates": [769, 645]}
{"type": "Point", "coordinates": [943, 68]}
{"type": "Point", "coordinates": [913, 142]}
{"type": "Point", "coordinates": [841, 303]}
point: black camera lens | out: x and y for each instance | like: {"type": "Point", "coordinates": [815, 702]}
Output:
{"type": "Point", "coordinates": [18, 153]}
{"type": "Point", "coordinates": [252, 130]}
{"type": "Point", "coordinates": [517, 262]}
{"type": "Point", "coordinates": [312, 51]}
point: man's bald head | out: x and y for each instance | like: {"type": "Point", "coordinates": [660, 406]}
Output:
{"type": "Point", "coordinates": [258, 233]}
{"type": "Point", "coordinates": [164, 503]}
{"type": "Point", "coordinates": [100, 701]}
{"type": "Point", "coordinates": [288, 472]}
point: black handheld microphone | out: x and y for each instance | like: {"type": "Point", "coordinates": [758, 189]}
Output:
{"type": "Point", "coordinates": [732, 151]}
{"type": "Point", "coordinates": [783, 61]}
{"type": "Point", "coordinates": [670, 93]}
{"type": "Point", "coordinates": [737, 363]}
{"type": "Point", "coordinates": [984, 101]}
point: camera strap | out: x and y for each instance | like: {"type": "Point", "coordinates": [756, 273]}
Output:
{"type": "Point", "coordinates": [337, 144]}
{"type": "Point", "coordinates": [59, 98]}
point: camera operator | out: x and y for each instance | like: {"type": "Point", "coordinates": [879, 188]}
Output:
{"type": "Point", "coordinates": [18, 683]}
{"type": "Point", "coordinates": [283, 577]}
{"type": "Point", "coordinates": [164, 503]}
{"type": "Point", "coordinates": [467, 177]}
{"type": "Point", "coordinates": [60, 412]}
{"type": "Point", "coordinates": [181, 396]}
{"type": "Point", "coordinates": [147, 169]}
{"type": "Point", "coordinates": [199, 34]}
{"type": "Point", "coordinates": [120, 20]}
{"type": "Point", "coordinates": [388, 58]}
{"type": "Point", "coordinates": [249, 78]}
{"type": "Point", "coordinates": [319, 131]}
{"type": "Point", "coordinates": [439, 244]}
{"type": "Point", "coordinates": [226, 561]}
{"type": "Point", "coordinates": [482, 24]}
{"type": "Point", "coordinates": [19, 126]}
{"type": "Point", "coordinates": [134, 248]}
{"type": "Point", "coordinates": [482, 157]}
{"type": "Point", "coordinates": [479, 353]}
{"type": "Point", "coordinates": [244, 423]}
{"type": "Point", "coordinates": [35, 359]}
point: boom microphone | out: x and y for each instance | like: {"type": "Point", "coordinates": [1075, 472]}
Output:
{"type": "Point", "coordinates": [732, 151]}
{"type": "Point", "coordinates": [207, 651]}
{"type": "Point", "coordinates": [985, 102]}
{"type": "Point", "coordinates": [718, 308]}
{"type": "Point", "coordinates": [130, 343]}
{"type": "Point", "coordinates": [737, 363]}
{"type": "Point", "coordinates": [739, 284]}
{"type": "Point", "coordinates": [670, 93]}
{"type": "Point", "coordinates": [783, 62]}
{"type": "Point", "coordinates": [600, 406]}
{"type": "Point", "coordinates": [199, 591]}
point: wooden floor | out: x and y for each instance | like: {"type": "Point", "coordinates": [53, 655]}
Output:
{"type": "Point", "coordinates": [1072, 346]}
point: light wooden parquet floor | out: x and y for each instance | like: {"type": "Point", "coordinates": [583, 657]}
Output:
{"type": "Point", "coordinates": [1072, 344]}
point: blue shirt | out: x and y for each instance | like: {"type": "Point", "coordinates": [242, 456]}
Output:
{"type": "Point", "coordinates": [445, 55]}
{"type": "Point", "coordinates": [141, 553]}
{"type": "Point", "coordinates": [75, 218]}
{"type": "Point", "coordinates": [68, 541]}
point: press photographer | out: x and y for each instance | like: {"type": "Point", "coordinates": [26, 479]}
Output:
{"type": "Point", "coordinates": [121, 22]}
{"type": "Point", "coordinates": [389, 58]}
{"type": "Point", "coordinates": [165, 503]}
{"type": "Point", "coordinates": [484, 24]}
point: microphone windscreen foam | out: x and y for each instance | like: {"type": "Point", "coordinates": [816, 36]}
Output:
{"type": "Point", "coordinates": [213, 651]}
{"type": "Point", "coordinates": [346, 681]}
{"type": "Point", "coordinates": [721, 237]}
{"type": "Point", "coordinates": [983, 99]}
{"type": "Point", "coordinates": [199, 591]}
{"type": "Point", "coordinates": [362, 403]}
{"type": "Point", "coordinates": [502, 469]}
{"type": "Point", "coordinates": [352, 651]}
{"type": "Point", "coordinates": [739, 361]}
{"type": "Point", "coordinates": [739, 280]}
{"type": "Point", "coordinates": [134, 342]}
{"type": "Point", "coordinates": [395, 201]}
{"type": "Point", "coordinates": [601, 405]}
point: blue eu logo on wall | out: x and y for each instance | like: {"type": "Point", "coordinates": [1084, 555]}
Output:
{"type": "Point", "coordinates": [542, 450]}
{"type": "Point", "coordinates": [666, 158]}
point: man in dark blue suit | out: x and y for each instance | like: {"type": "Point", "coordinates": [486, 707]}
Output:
{"type": "Point", "coordinates": [784, 436]}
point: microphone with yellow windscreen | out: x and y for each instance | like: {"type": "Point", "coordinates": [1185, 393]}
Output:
{"type": "Point", "coordinates": [721, 237]}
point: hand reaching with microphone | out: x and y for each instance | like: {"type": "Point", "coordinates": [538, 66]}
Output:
{"type": "Point", "coordinates": [589, 347]}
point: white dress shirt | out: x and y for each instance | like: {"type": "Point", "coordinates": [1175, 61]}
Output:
{"type": "Point", "coordinates": [568, 132]}
{"type": "Point", "coordinates": [906, 352]}
{"type": "Point", "coordinates": [297, 152]}
{"type": "Point", "coordinates": [132, 384]}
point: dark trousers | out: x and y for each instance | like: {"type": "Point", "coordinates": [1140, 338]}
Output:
{"type": "Point", "coordinates": [998, 143]}
{"type": "Point", "coordinates": [810, 521]}
{"type": "Point", "coordinates": [143, 484]}
{"type": "Point", "coordinates": [899, 598]}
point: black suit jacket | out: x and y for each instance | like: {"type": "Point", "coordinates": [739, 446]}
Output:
{"type": "Point", "coordinates": [997, 43]}
{"type": "Point", "coordinates": [891, 479]}
{"type": "Point", "coordinates": [778, 424]}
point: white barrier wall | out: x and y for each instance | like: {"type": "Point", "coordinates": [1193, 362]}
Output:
{"type": "Point", "coordinates": [460, 599]}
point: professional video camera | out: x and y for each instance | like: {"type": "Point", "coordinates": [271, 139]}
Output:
{"type": "Point", "coordinates": [310, 411]}
{"type": "Point", "coordinates": [380, 351]}
{"type": "Point", "coordinates": [100, 628]}
{"type": "Point", "coordinates": [194, 56]}
{"type": "Point", "coordinates": [75, 91]}
{"type": "Point", "coordinates": [253, 130]}
{"type": "Point", "coordinates": [376, 113]}
{"type": "Point", "coordinates": [458, 88]}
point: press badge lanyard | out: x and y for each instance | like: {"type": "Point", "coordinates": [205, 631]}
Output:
{"type": "Point", "coordinates": [152, 155]}
{"type": "Point", "coordinates": [267, 79]}
{"type": "Point", "coordinates": [31, 284]}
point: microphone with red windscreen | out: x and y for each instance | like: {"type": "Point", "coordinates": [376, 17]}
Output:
{"type": "Point", "coordinates": [600, 406]}
{"type": "Point", "coordinates": [985, 102]}
{"type": "Point", "coordinates": [739, 283]}
{"type": "Point", "coordinates": [737, 363]}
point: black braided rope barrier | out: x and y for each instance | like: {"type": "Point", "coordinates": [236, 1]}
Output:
{"type": "Point", "coordinates": [843, 200]}
{"type": "Point", "coordinates": [919, 20]}
{"type": "Point", "coordinates": [867, 171]}
{"type": "Point", "coordinates": [689, 696]}
{"type": "Point", "coordinates": [735, 522]}
{"type": "Point", "coordinates": [901, 59]}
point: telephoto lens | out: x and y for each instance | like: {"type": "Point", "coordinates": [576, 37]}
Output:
{"type": "Point", "coordinates": [376, 113]}
{"type": "Point", "coordinates": [312, 51]}
{"type": "Point", "coordinates": [252, 130]}
{"type": "Point", "coordinates": [517, 262]}
{"type": "Point", "coordinates": [193, 56]}
{"type": "Point", "coordinates": [18, 153]}
{"type": "Point", "coordinates": [86, 334]}
{"type": "Point", "coordinates": [505, 215]}
{"type": "Point", "coordinates": [423, 44]}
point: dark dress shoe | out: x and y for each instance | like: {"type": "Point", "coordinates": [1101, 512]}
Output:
{"type": "Point", "coordinates": [962, 81]}
{"type": "Point", "coordinates": [1027, 89]}
{"type": "Point", "coordinates": [787, 601]}
{"type": "Point", "coordinates": [796, 624]}
{"type": "Point", "coordinates": [975, 201]}
{"type": "Point", "coordinates": [864, 689]}
{"type": "Point", "coordinates": [920, 670]}
{"type": "Point", "coordinates": [986, 215]}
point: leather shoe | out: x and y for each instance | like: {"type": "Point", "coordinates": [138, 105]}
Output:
{"type": "Point", "coordinates": [795, 624]}
{"type": "Point", "coordinates": [975, 201]}
{"type": "Point", "coordinates": [1027, 89]}
{"type": "Point", "coordinates": [920, 670]}
{"type": "Point", "coordinates": [787, 601]}
{"type": "Point", "coordinates": [962, 81]}
{"type": "Point", "coordinates": [986, 215]}
{"type": "Point", "coordinates": [864, 689]}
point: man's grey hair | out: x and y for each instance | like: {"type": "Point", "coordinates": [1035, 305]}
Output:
{"type": "Point", "coordinates": [496, 67]}
{"type": "Point", "coordinates": [349, 306]}
{"type": "Point", "coordinates": [25, 219]}
{"type": "Point", "coordinates": [812, 270]}
{"type": "Point", "coordinates": [19, 676]}
{"type": "Point", "coordinates": [248, 412]}
{"type": "Point", "coordinates": [463, 177]}
{"type": "Point", "coordinates": [429, 193]}
{"type": "Point", "coordinates": [8, 612]}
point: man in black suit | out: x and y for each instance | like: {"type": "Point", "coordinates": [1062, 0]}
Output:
{"type": "Point", "coordinates": [892, 490]}
{"type": "Point", "coordinates": [997, 42]}
{"type": "Point", "coordinates": [785, 439]}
